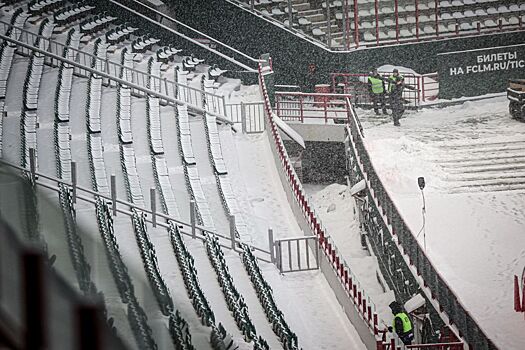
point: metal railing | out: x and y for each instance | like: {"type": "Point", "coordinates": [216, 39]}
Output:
{"type": "Point", "coordinates": [153, 216]}
{"type": "Point", "coordinates": [358, 305]}
{"type": "Point", "coordinates": [84, 60]}
{"type": "Point", "coordinates": [297, 254]}
{"type": "Point", "coordinates": [84, 70]}
{"type": "Point", "coordinates": [434, 286]}
{"type": "Point", "coordinates": [357, 86]}
{"type": "Point", "coordinates": [249, 114]}
{"type": "Point", "coordinates": [298, 106]}
{"type": "Point", "coordinates": [38, 307]}
{"type": "Point", "coordinates": [150, 14]}
{"type": "Point", "coordinates": [341, 26]}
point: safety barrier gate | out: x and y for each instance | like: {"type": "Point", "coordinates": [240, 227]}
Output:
{"type": "Point", "coordinates": [297, 254]}
{"type": "Point", "coordinates": [298, 106]}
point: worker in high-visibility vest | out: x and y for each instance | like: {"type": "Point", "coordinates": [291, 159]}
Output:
{"type": "Point", "coordinates": [396, 84]}
{"type": "Point", "coordinates": [376, 88]}
{"type": "Point", "coordinates": [401, 324]}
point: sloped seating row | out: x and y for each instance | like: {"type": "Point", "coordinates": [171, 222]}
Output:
{"type": "Point", "coordinates": [143, 43]}
{"type": "Point", "coordinates": [264, 293]}
{"type": "Point", "coordinates": [179, 331]}
{"type": "Point", "coordinates": [149, 260]}
{"type": "Point", "coordinates": [95, 88]}
{"type": "Point", "coordinates": [189, 63]}
{"type": "Point", "coordinates": [167, 53]}
{"type": "Point", "coordinates": [136, 315]}
{"type": "Point", "coordinates": [28, 123]}
{"type": "Point", "coordinates": [119, 34]}
{"type": "Point", "coordinates": [36, 66]}
{"type": "Point", "coordinates": [18, 19]}
{"type": "Point", "coordinates": [65, 78]}
{"type": "Point", "coordinates": [73, 13]}
{"type": "Point", "coordinates": [189, 275]}
{"type": "Point", "coordinates": [230, 203]}
{"type": "Point", "coordinates": [233, 298]}
{"type": "Point", "coordinates": [96, 23]}
{"type": "Point", "coordinates": [38, 7]}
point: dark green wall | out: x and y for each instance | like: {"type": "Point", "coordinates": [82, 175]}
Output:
{"type": "Point", "coordinates": [292, 55]}
{"type": "Point", "coordinates": [322, 162]}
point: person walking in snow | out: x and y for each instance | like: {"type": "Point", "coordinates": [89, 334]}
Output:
{"type": "Point", "coordinates": [376, 88]}
{"type": "Point", "coordinates": [396, 84]}
{"type": "Point", "coordinates": [401, 324]}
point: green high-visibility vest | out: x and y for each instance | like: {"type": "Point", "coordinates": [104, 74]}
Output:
{"type": "Point", "coordinates": [377, 85]}
{"type": "Point", "coordinates": [407, 325]}
{"type": "Point", "coordinates": [392, 82]}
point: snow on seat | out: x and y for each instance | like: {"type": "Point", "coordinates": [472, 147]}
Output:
{"type": "Point", "coordinates": [514, 8]}
{"type": "Point", "coordinates": [458, 15]}
{"type": "Point", "coordinates": [480, 12]}
{"type": "Point", "coordinates": [94, 100]}
{"type": "Point", "coordinates": [514, 20]}
{"type": "Point", "coordinates": [368, 36]}
{"type": "Point", "coordinates": [503, 9]}
{"type": "Point", "coordinates": [124, 115]}
{"type": "Point", "coordinates": [445, 4]}
{"type": "Point", "coordinates": [29, 124]}
{"type": "Point", "coordinates": [469, 13]}
{"type": "Point", "coordinates": [200, 198]}
{"type": "Point", "coordinates": [72, 14]}
{"type": "Point", "coordinates": [389, 22]}
{"type": "Point", "coordinates": [96, 151]}
{"type": "Point", "coordinates": [492, 11]}
{"type": "Point", "coordinates": [166, 191]}
{"type": "Point", "coordinates": [154, 125]}
{"type": "Point", "coordinates": [232, 205]}
{"type": "Point", "coordinates": [446, 16]}
{"type": "Point", "coordinates": [185, 135]}
{"type": "Point", "coordinates": [133, 181]}
{"type": "Point", "coordinates": [214, 144]}
{"type": "Point", "coordinates": [64, 150]}
{"type": "Point", "coordinates": [66, 80]}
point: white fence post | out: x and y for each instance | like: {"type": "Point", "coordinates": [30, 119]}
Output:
{"type": "Point", "coordinates": [192, 219]}
{"type": "Point", "coordinates": [232, 230]}
{"type": "Point", "coordinates": [243, 118]}
{"type": "Point", "coordinates": [270, 242]}
{"type": "Point", "coordinates": [74, 180]}
{"type": "Point", "coordinates": [114, 194]}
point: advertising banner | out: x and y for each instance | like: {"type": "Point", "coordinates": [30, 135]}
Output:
{"type": "Point", "coordinates": [479, 72]}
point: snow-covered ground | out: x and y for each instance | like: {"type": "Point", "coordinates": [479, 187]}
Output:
{"type": "Point", "coordinates": [473, 159]}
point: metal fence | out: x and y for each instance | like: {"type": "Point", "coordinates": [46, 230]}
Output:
{"type": "Point", "coordinates": [389, 223]}
{"type": "Point", "coordinates": [250, 115]}
{"type": "Point", "coordinates": [298, 106]}
{"type": "Point", "coordinates": [297, 254]}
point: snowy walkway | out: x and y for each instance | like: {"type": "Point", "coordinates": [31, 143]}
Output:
{"type": "Point", "coordinates": [473, 159]}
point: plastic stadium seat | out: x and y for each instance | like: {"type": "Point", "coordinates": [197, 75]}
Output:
{"type": "Point", "coordinates": [405, 33]}
{"type": "Point", "coordinates": [469, 2]}
{"type": "Point", "coordinates": [469, 13]}
{"type": "Point", "coordinates": [522, 7]}
{"type": "Point", "coordinates": [466, 26]}
{"type": "Point", "coordinates": [514, 20]}
{"type": "Point", "coordinates": [490, 23]}
{"type": "Point", "coordinates": [423, 7]}
{"type": "Point", "coordinates": [492, 11]}
{"type": "Point", "coordinates": [368, 25]}
{"type": "Point", "coordinates": [427, 29]}
{"type": "Point", "coordinates": [383, 35]}
{"type": "Point", "coordinates": [424, 18]}
{"type": "Point", "coordinates": [445, 4]}
{"type": "Point", "coordinates": [445, 16]}
{"type": "Point", "coordinates": [480, 12]}
{"type": "Point", "coordinates": [391, 34]}
{"type": "Point", "coordinates": [458, 15]}
{"type": "Point", "coordinates": [514, 8]}
{"type": "Point", "coordinates": [503, 9]}
{"type": "Point", "coordinates": [411, 19]}
{"type": "Point", "coordinates": [402, 20]}
{"type": "Point", "coordinates": [386, 10]}
{"type": "Point", "coordinates": [389, 22]}
{"type": "Point", "coordinates": [457, 3]}
{"type": "Point", "coordinates": [369, 36]}
{"type": "Point", "coordinates": [410, 8]}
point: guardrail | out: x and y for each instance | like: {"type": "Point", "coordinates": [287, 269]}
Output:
{"type": "Point", "coordinates": [298, 106]}
{"type": "Point", "coordinates": [36, 303]}
{"type": "Point", "coordinates": [357, 305]}
{"type": "Point", "coordinates": [120, 206]}
{"type": "Point", "coordinates": [139, 78]}
{"type": "Point", "coordinates": [430, 281]}
{"type": "Point", "coordinates": [150, 14]}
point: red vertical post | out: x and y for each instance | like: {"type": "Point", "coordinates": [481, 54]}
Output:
{"type": "Point", "coordinates": [500, 24]}
{"type": "Point", "coordinates": [436, 12]}
{"type": "Point", "coordinates": [277, 102]}
{"type": "Point", "coordinates": [517, 299]}
{"type": "Point", "coordinates": [325, 106]}
{"type": "Point", "coordinates": [356, 24]}
{"type": "Point", "coordinates": [375, 324]}
{"type": "Point", "coordinates": [364, 307]}
{"type": "Point", "coordinates": [347, 22]}
{"type": "Point", "coordinates": [457, 28]}
{"type": "Point", "coordinates": [417, 19]}
{"type": "Point", "coordinates": [301, 101]}
{"type": "Point", "coordinates": [377, 21]}
{"type": "Point", "coordinates": [478, 26]}
{"type": "Point", "coordinates": [396, 14]}
{"type": "Point", "coordinates": [423, 87]}
{"type": "Point", "coordinates": [419, 78]}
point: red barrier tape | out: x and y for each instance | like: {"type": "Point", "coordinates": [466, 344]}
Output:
{"type": "Point", "coordinates": [517, 299]}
